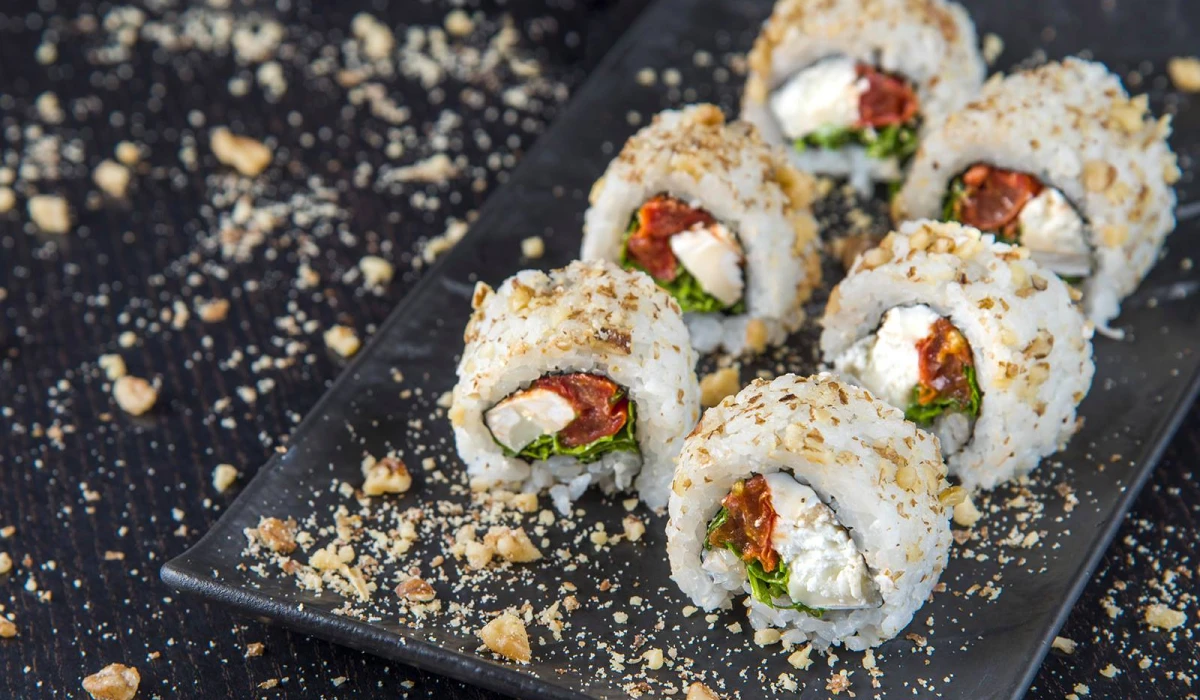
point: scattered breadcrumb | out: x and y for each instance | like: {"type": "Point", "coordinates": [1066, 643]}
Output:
{"type": "Point", "coordinates": [455, 230]}
{"type": "Point", "coordinates": [134, 395]}
{"type": "Point", "coordinates": [1185, 73]}
{"type": "Point", "coordinates": [50, 213]}
{"type": "Point", "coordinates": [436, 168]}
{"type": "Point", "coordinates": [506, 636]}
{"type": "Point", "coordinates": [342, 340]}
{"type": "Point", "coordinates": [113, 682]}
{"type": "Point", "coordinates": [224, 475]}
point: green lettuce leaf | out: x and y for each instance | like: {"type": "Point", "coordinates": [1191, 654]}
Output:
{"type": "Point", "coordinates": [548, 445]}
{"type": "Point", "coordinates": [957, 191]}
{"type": "Point", "coordinates": [892, 141]}
{"type": "Point", "coordinates": [924, 414]}
{"type": "Point", "coordinates": [686, 289]}
{"type": "Point", "coordinates": [765, 587]}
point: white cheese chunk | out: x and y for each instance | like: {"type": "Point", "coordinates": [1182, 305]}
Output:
{"type": "Point", "coordinates": [825, 95]}
{"type": "Point", "coordinates": [1055, 234]}
{"type": "Point", "coordinates": [887, 363]}
{"type": "Point", "coordinates": [825, 568]}
{"type": "Point", "coordinates": [526, 416]}
{"type": "Point", "coordinates": [712, 255]}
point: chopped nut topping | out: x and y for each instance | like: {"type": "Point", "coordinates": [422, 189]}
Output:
{"type": "Point", "coordinates": [277, 535]}
{"type": "Point", "coordinates": [533, 247]}
{"type": "Point", "coordinates": [113, 682]}
{"type": "Point", "coordinates": [50, 213]}
{"type": "Point", "coordinates": [112, 178]}
{"type": "Point", "coordinates": [134, 395]}
{"type": "Point", "coordinates": [388, 475]}
{"type": "Point", "coordinates": [1066, 646]}
{"type": "Point", "coordinates": [506, 636]}
{"type": "Point", "coordinates": [8, 629]}
{"type": "Point", "coordinates": [223, 477]}
{"type": "Point", "coordinates": [377, 272]}
{"type": "Point", "coordinates": [512, 545]}
{"type": "Point", "coordinates": [1185, 73]}
{"type": "Point", "coordinates": [342, 340]}
{"type": "Point", "coordinates": [1163, 617]}
{"type": "Point", "coordinates": [242, 153]}
{"type": "Point", "coordinates": [255, 649]}
{"type": "Point", "coordinates": [416, 590]}
{"type": "Point", "coordinates": [717, 385]}
{"type": "Point", "coordinates": [699, 691]}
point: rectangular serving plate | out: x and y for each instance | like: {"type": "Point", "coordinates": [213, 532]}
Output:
{"type": "Point", "coordinates": [982, 648]}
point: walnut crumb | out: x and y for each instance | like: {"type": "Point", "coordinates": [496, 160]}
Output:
{"type": "Point", "coordinates": [5, 563]}
{"type": "Point", "coordinates": [342, 340]}
{"type": "Point", "coordinates": [1163, 617]}
{"type": "Point", "coordinates": [506, 636]}
{"type": "Point", "coordinates": [719, 384]}
{"type": "Point", "coordinates": [50, 213]}
{"type": "Point", "coordinates": [243, 154]}
{"type": "Point", "coordinates": [653, 658]}
{"type": "Point", "coordinates": [8, 629]}
{"type": "Point", "coordinates": [1066, 646]}
{"type": "Point", "coordinates": [134, 395]}
{"type": "Point", "coordinates": [113, 682]}
{"type": "Point", "coordinates": [634, 528]}
{"type": "Point", "coordinates": [223, 477]}
{"type": "Point", "coordinates": [255, 649]}
{"type": "Point", "coordinates": [113, 366]}
{"type": "Point", "coordinates": [533, 247]}
{"type": "Point", "coordinates": [376, 271]}
{"type": "Point", "coordinates": [512, 545]}
{"type": "Point", "coordinates": [112, 178]}
{"type": "Point", "coordinates": [699, 691]}
{"type": "Point", "coordinates": [386, 476]}
{"type": "Point", "coordinates": [277, 535]}
{"type": "Point", "coordinates": [416, 590]}
{"type": "Point", "coordinates": [212, 310]}
{"type": "Point", "coordinates": [801, 658]}
{"type": "Point", "coordinates": [1185, 73]}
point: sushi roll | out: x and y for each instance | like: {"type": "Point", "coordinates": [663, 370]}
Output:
{"type": "Point", "coordinates": [1060, 160]}
{"type": "Point", "coordinates": [718, 219]}
{"type": "Point", "coordinates": [581, 376]}
{"type": "Point", "coordinates": [849, 85]}
{"type": "Point", "coordinates": [820, 503]}
{"type": "Point", "coordinates": [971, 338]}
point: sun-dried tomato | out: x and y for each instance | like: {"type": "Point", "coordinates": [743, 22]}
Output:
{"type": "Point", "coordinates": [599, 403]}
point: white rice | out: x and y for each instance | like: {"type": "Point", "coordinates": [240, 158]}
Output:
{"type": "Point", "coordinates": [881, 476]}
{"type": "Point", "coordinates": [586, 317]}
{"type": "Point", "coordinates": [931, 43]}
{"type": "Point", "coordinates": [1073, 126]}
{"type": "Point", "coordinates": [1031, 346]}
{"type": "Point", "coordinates": [694, 155]}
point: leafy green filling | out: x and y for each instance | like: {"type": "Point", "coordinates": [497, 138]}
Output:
{"type": "Point", "coordinates": [685, 288]}
{"type": "Point", "coordinates": [923, 414]}
{"type": "Point", "coordinates": [765, 587]}
{"type": "Point", "coordinates": [548, 446]}
{"type": "Point", "coordinates": [892, 141]}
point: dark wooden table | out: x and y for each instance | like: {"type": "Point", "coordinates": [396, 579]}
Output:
{"type": "Point", "coordinates": [99, 499]}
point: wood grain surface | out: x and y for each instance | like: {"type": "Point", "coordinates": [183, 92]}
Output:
{"type": "Point", "coordinates": [99, 499]}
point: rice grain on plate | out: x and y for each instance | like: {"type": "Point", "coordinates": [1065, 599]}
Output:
{"type": "Point", "coordinates": [577, 377]}
{"type": "Point", "coordinates": [848, 86]}
{"type": "Point", "coordinates": [818, 501]}
{"type": "Point", "coordinates": [716, 217]}
{"type": "Point", "coordinates": [971, 338]}
{"type": "Point", "coordinates": [1063, 161]}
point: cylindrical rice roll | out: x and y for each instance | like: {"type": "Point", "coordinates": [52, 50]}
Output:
{"type": "Point", "coordinates": [1073, 127]}
{"type": "Point", "coordinates": [828, 75]}
{"type": "Point", "coordinates": [857, 515]}
{"type": "Point", "coordinates": [718, 218]}
{"type": "Point", "coordinates": [554, 363]}
{"type": "Point", "coordinates": [969, 337]}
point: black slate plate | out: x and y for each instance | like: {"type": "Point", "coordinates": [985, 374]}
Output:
{"type": "Point", "coordinates": [968, 643]}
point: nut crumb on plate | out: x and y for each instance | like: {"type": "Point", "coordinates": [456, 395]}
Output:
{"type": "Point", "coordinates": [113, 682]}
{"type": "Point", "coordinates": [1185, 73]}
{"type": "Point", "coordinates": [134, 395]}
{"type": "Point", "coordinates": [342, 340]}
{"type": "Point", "coordinates": [242, 153]}
{"type": "Point", "coordinates": [223, 477]}
{"type": "Point", "coordinates": [50, 213]}
{"type": "Point", "coordinates": [507, 637]}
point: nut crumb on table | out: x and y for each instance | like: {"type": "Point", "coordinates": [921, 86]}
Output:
{"type": "Point", "coordinates": [507, 637]}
